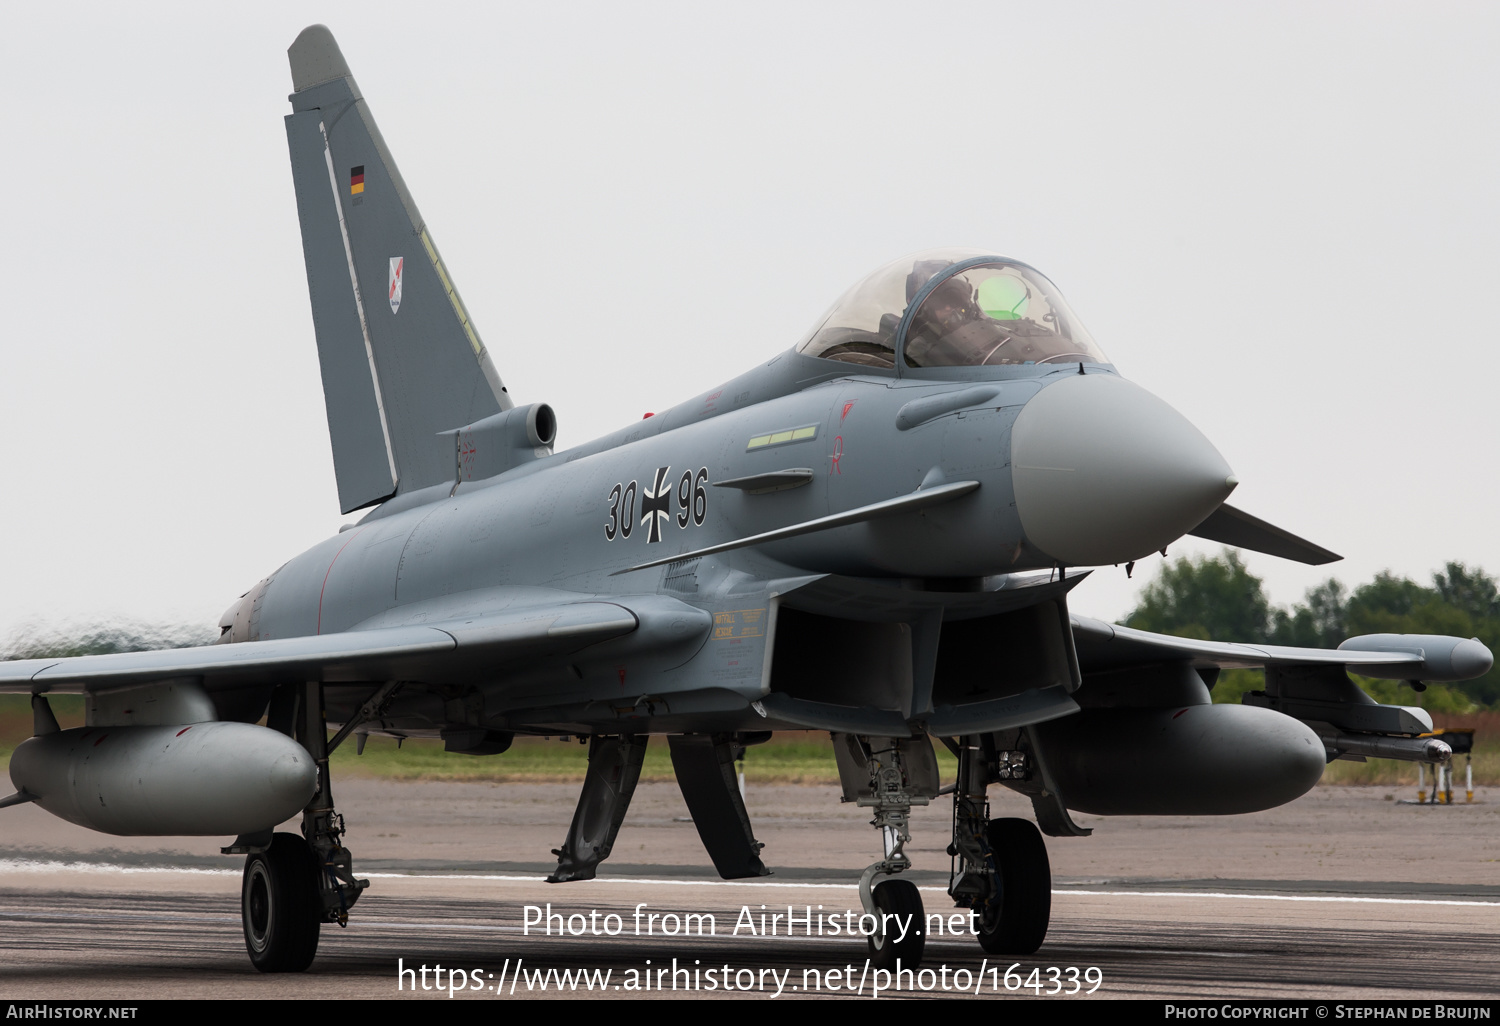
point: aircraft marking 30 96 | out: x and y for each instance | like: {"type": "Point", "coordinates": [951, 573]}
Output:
{"type": "Point", "coordinates": [656, 504]}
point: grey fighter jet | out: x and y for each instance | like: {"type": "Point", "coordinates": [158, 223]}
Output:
{"type": "Point", "coordinates": [873, 533]}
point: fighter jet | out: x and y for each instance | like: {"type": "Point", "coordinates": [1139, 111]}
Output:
{"type": "Point", "coordinates": [873, 533]}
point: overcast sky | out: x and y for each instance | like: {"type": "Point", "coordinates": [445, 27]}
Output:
{"type": "Point", "coordinates": [1280, 218]}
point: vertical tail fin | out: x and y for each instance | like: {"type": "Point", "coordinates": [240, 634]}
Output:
{"type": "Point", "coordinates": [401, 360]}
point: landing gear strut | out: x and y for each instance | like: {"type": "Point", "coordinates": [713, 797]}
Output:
{"type": "Point", "coordinates": [292, 885]}
{"type": "Point", "coordinates": [1000, 866]}
{"type": "Point", "coordinates": [323, 827]}
{"type": "Point", "coordinates": [896, 904]}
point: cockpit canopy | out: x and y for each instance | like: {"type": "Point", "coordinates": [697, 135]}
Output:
{"type": "Point", "coordinates": [952, 308]}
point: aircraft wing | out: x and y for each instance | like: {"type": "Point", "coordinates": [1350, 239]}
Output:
{"type": "Point", "coordinates": [383, 653]}
{"type": "Point", "coordinates": [1105, 646]}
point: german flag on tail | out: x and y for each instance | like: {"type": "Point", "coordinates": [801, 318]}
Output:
{"type": "Point", "coordinates": [356, 180]}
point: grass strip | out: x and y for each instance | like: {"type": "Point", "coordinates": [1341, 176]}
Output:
{"type": "Point", "coordinates": [792, 757]}
{"type": "Point", "coordinates": [797, 759]}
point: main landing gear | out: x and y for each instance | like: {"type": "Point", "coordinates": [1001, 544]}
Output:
{"type": "Point", "coordinates": [279, 904]}
{"type": "Point", "coordinates": [1000, 867]}
{"type": "Point", "coordinates": [292, 885]}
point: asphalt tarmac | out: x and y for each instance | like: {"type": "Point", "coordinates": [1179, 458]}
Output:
{"type": "Point", "coordinates": [1344, 894]}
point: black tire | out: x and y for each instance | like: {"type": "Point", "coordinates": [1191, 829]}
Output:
{"type": "Point", "coordinates": [280, 906]}
{"type": "Point", "coordinates": [1019, 925]}
{"type": "Point", "coordinates": [901, 898]}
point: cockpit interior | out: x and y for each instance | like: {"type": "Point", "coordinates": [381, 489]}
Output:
{"type": "Point", "coordinates": [952, 308]}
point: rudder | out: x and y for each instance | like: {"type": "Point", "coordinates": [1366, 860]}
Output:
{"type": "Point", "coordinates": [401, 360]}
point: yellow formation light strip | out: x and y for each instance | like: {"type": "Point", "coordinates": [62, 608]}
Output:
{"type": "Point", "coordinates": [783, 437]}
{"type": "Point", "coordinates": [458, 306]}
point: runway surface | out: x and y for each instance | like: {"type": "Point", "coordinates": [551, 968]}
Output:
{"type": "Point", "coordinates": [1340, 895]}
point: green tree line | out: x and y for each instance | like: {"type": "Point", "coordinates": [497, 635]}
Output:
{"type": "Point", "coordinates": [1218, 597]}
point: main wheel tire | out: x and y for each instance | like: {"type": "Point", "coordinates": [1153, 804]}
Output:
{"type": "Point", "coordinates": [280, 906]}
{"type": "Point", "coordinates": [1019, 925]}
{"type": "Point", "coordinates": [899, 898]}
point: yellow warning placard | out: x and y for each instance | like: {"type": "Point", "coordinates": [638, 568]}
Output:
{"type": "Point", "coordinates": [740, 623]}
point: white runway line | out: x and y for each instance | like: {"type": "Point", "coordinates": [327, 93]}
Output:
{"type": "Point", "coordinates": [41, 866]}
{"type": "Point", "coordinates": [944, 890]}
{"type": "Point", "coordinates": [1281, 897]}
{"type": "Point", "coordinates": [38, 866]}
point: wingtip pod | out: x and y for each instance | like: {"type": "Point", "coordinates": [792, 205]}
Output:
{"type": "Point", "coordinates": [1443, 657]}
{"type": "Point", "coordinates": [1473, 657]}
{"type": "Point", "coordinates": [315, 58]}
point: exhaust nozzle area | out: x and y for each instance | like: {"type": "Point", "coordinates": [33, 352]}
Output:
{"type": "Point", "coordinates": [213, 778]}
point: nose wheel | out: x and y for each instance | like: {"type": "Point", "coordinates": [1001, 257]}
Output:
{"type": "Point", "coordinates": [280, 906]}
{"type": "Point", "coordinates": [900, 940]}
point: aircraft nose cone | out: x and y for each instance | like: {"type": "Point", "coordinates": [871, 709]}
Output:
{"type": "Point", "coordinates": [1105, 472]}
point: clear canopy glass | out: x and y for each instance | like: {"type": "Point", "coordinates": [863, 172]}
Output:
{"type": "Point", "coordinates": [972, 310]}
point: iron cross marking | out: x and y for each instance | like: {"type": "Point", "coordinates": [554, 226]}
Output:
{"type": "Point", "coordinates": [656, 505]}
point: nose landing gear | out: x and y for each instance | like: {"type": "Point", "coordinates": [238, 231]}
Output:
{"type": "Point", "coordinates": [1000, 867]}
{"type": "Point", "coordinates": [890, 775]}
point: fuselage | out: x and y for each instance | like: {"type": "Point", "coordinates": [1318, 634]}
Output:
{"type": "Point", "coordinates": [1075, 455]}
{"type": "Point", "coordinates": [569, 521]}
